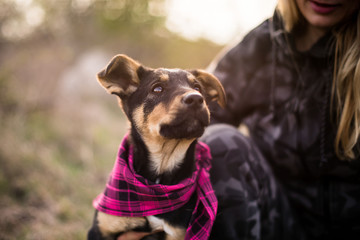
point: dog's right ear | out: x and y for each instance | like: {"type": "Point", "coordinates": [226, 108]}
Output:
{"type": "Point", "coordinates": [120, 76]}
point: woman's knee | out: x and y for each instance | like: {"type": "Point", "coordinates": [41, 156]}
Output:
{"type": "Point", "coordinates": [236, 160]}
{"type": "Point", "coordinates": [224, 138]}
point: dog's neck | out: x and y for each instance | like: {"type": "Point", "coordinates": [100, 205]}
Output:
{"type": "Point", "coordinates": [163, 161]}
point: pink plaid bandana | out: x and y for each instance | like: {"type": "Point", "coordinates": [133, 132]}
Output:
{"type": "Point", "coordinates": [129, 194]}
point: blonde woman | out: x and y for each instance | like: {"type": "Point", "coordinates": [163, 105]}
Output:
{"type": "Point", "coordinates": [294, 81]}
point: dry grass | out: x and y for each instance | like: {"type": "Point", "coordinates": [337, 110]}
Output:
{"type": "Point", "coordinates": [53, 164]}
{"type": "Point", "coordinates": [55, 154]}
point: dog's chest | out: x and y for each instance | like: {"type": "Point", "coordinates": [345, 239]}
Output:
{"type": "Point", "coordinates": [175, 222]}
{"type": "Point", "coordinates": [161, 225]}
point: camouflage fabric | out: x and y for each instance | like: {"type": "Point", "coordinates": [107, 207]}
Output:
{"type": "Point", "coordinates": [283, 96]}
{"type": "Point", "coordinates": [251, 204]}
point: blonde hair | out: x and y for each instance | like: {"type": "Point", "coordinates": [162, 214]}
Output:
{"type": "Point", "coordinates": [289, 13]}
{"type": "Point", "coordinates": [346, 78]}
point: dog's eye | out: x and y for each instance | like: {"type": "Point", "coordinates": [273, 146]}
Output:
{"type": "Point", "coordinates": [157, 89]}
{"type": "Point", "coordinates": [197, 87]}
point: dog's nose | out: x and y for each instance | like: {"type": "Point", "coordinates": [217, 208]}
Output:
{"type": "Point", "coordinates": [193, 100]}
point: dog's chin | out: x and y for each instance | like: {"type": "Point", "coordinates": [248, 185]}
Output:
{"type": "Point", "coordinates": [191, 131]}
{"type": "Point", "coordinates": [187, 129]}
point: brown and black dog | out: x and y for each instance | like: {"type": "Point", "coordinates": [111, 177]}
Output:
{"type": "Point", "coordinates": [167, 110]}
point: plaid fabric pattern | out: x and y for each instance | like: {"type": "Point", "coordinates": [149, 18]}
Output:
{"type": "Point", "coordinates": [129, 194]}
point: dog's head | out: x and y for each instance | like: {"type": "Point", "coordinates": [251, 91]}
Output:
{"type": "Point", "coordinates": [162, 103]}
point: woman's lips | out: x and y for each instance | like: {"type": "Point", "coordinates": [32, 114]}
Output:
{"type": "Point", "coordinates": [323, 8]}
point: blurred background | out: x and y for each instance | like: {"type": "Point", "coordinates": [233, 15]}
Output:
{"type": "Point", "coordinates": [59, 130]}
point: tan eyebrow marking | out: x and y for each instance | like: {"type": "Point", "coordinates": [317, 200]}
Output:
{"type": "Point", "coordinates": [191, 78]}
{"type": "Point", "coordinates": [164, 77]}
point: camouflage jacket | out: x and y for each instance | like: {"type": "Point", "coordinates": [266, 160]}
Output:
{"type": "Point", "coordinates": [283, 96]}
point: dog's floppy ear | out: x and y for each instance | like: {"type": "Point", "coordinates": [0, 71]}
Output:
{"type": "Point", "coordinates": [120, 76]}
{"type": "Point", "coordinates": [213, 88]}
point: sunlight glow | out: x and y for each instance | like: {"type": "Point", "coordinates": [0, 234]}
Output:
{"type": "Point", "coordinates": [32, 15]}
{"type": "Point", "coordinates": [217, 20]}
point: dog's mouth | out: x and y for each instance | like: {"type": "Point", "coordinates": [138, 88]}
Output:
{"type": "Point", "coordinates": [186, 125]}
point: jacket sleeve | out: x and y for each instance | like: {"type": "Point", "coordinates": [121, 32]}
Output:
{"type": "Point", "coordinates": [238, 71]}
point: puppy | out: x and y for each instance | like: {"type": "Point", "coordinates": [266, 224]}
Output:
{"type": "Point", "coordinates": [160, 181]}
